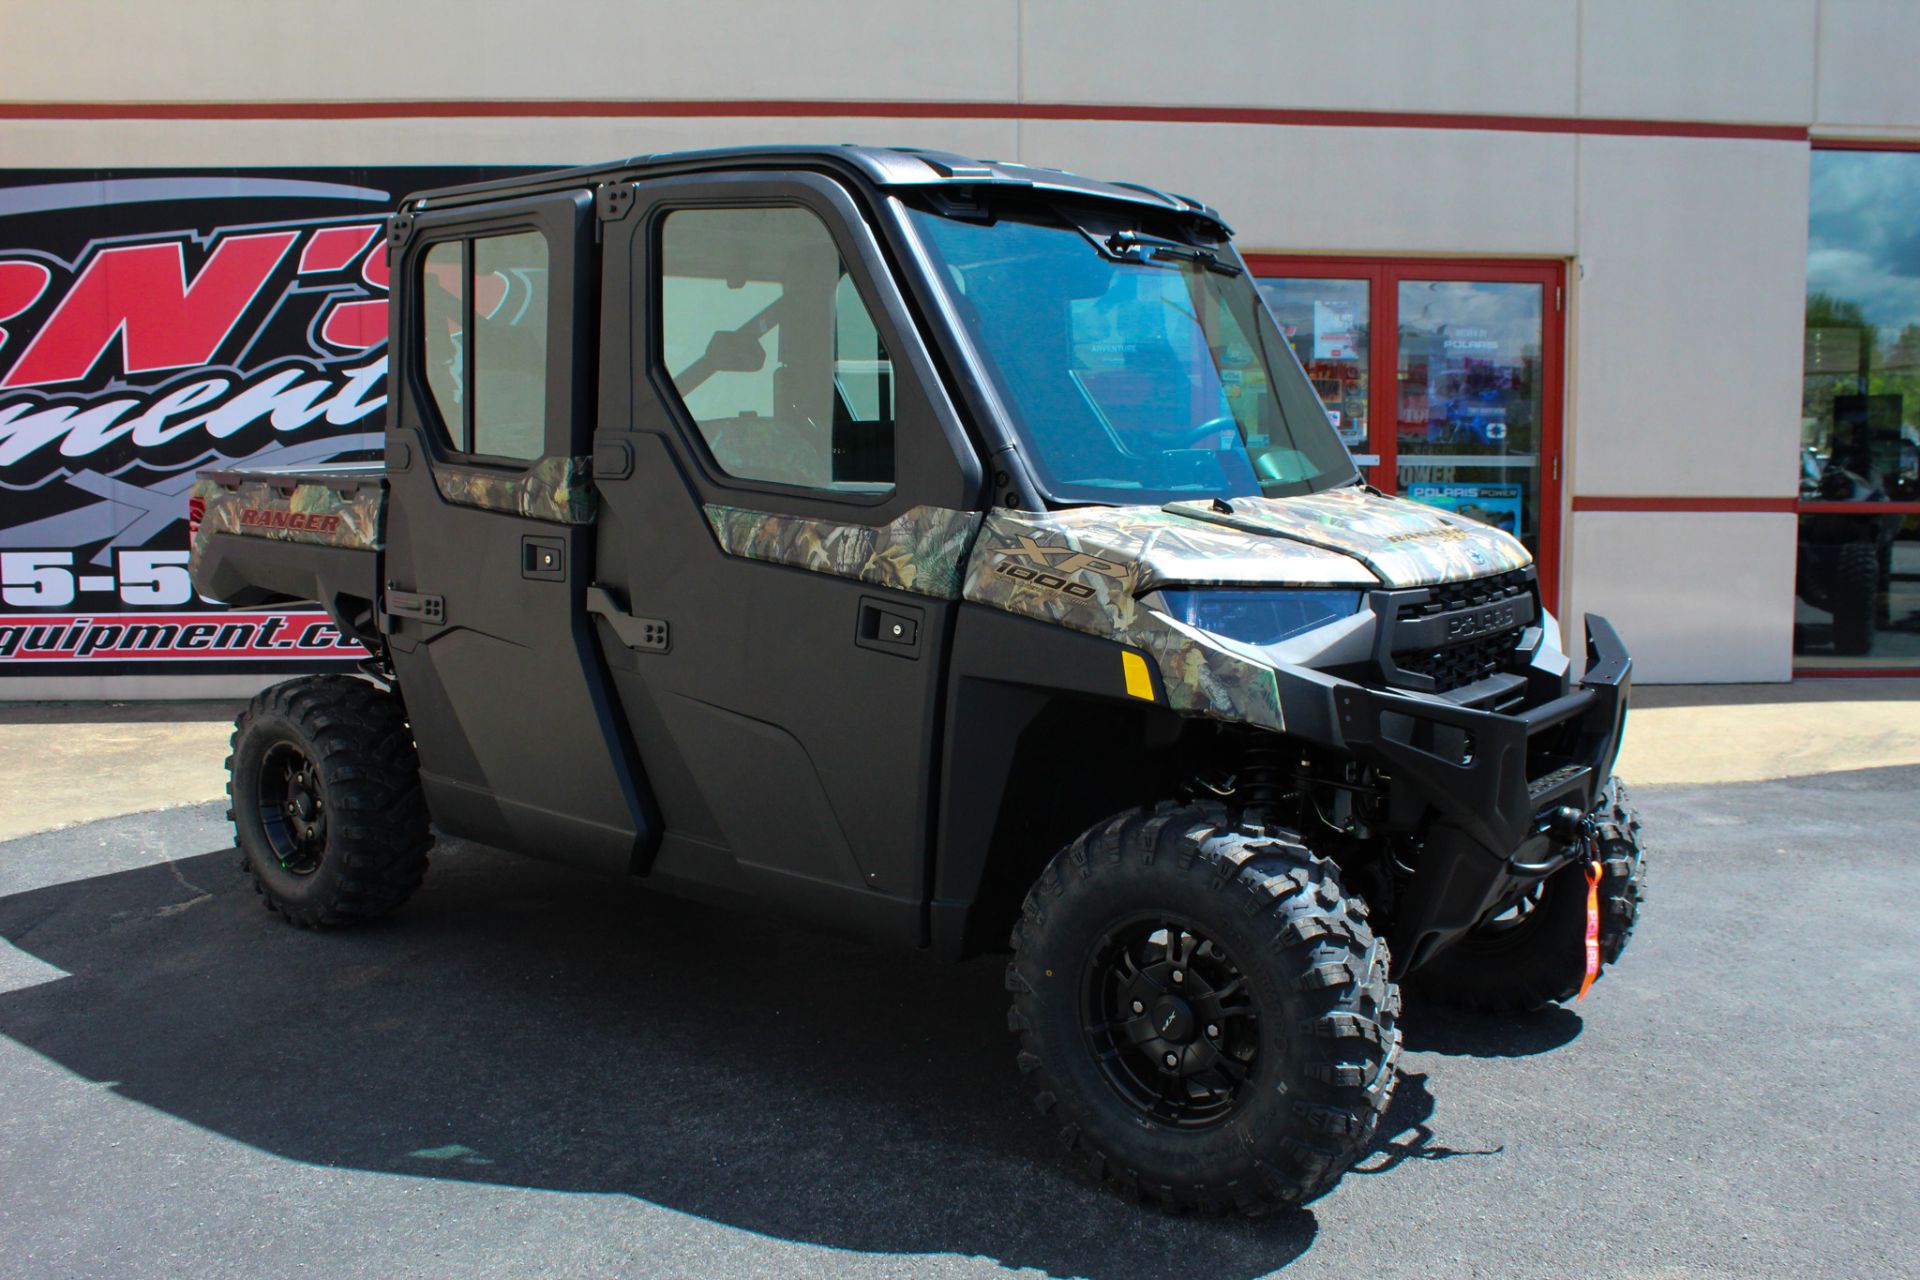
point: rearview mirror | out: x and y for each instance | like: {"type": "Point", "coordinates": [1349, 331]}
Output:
{"type": "Point", "coordinates": [732, 351]}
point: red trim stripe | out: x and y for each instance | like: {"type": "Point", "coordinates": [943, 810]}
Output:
{"type": "Point", "coordinates": [1866, 144]}
{"type": "Point", "coordinates": [1786, 506]}
{"type": "Point", "coordinates": [1855, 673]}
{"type": "Point", "coordinates": [818, 108]}
{"type": "Point", "coordinates": [1859, 508]}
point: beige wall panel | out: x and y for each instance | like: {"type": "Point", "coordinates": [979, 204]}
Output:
{"type": "Point", "coordinates": [1737, 60]}
{"type": "Point", "coordinates": [1695, 597]}
{"type": "Point", "coordinates": [150, 143]}
{"type": "Point", "coordinates": [1867, 53]}
{"type": "Point", "coordinates": [1503, 56]}
{"type": "Point", "coordinates": [295, 49]}
{"type": "Point", "coordinates": [1364, 190]}
{"type": "Point", "coordinates": [146, 688]}
{"type": "Point", "coordinates": [1688, 345]}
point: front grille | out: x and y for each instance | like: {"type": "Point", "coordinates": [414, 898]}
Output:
{"type": "Point", "coordinates": [1451, 596]}
{"type": "Point", "coordinates": [1462, 664]}
{"type": "Point", "coordinates": [1423, 646]}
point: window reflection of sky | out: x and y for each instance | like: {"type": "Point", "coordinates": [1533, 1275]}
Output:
{"type": "Point", "coordinates": [1863, 237]}
{"type": "Point", "coordinates": [1492, 321]}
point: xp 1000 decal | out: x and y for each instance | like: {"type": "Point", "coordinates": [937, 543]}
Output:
{"type": "Point", "coordinates": [152, 324]}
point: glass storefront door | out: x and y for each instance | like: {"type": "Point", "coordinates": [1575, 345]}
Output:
{"type": "Point", "coordinates": [1468, 420]}
{"type": "Point", "coordinates": [1329, 323]}
{"type": "Point", "coordinates": [1443, 377]}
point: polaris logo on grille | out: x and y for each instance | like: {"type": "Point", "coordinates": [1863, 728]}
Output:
{"type": "Point", "coordinates": [1478, 622]}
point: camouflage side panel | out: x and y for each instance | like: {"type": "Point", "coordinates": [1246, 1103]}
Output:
{"type": "Point", "coordinates": [922, 551]}
{"type": "Point", "coordinates": [317, 513]}
{"type": "Point", "coordinates": [554, 488]}
{"type": "Point", "coordinates": [1084, 568]}
{"type": "Point", "coordinates": [1406, 543]}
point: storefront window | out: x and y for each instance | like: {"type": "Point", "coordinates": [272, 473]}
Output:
{"type": "Point", "coordinates": [1327, 323]}
{"type": "Point", "coordinates": [1858, 579]}
{"type": "Point", "coordinates": [1469, 400]}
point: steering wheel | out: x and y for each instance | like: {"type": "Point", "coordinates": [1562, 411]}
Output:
{"type": "Point", "coordinates": [1208, 430]}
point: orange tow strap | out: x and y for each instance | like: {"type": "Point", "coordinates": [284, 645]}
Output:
{"type": "Point", "coordinates": [1593, 928]}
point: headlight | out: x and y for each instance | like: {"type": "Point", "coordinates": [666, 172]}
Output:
{"type": "Point", "coordinates": [1259, 617]}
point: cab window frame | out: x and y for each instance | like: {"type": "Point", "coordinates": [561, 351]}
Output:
{"type": "Point", "coordinates": [937, 462]}
{"type": "Point", "coordinates": [439, 439]}
{"type": "Point", "coordinates": [666, 385]}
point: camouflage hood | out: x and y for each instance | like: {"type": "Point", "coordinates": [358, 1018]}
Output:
{"type": "Point", "coordinates": [1346, 537]}
{"type": "Point", "coordinates": [1402, 543]}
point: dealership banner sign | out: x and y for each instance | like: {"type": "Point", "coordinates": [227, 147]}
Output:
{"type": "Point", "coordinates": [153, 323]}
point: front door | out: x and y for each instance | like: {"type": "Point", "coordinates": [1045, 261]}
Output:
{"type": "Point", "coordinates": [1444, 377]}
{"type": "Point", "coordinates": [787, 501]}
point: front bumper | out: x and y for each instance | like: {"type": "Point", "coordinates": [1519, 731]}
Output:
{"type": "Point", "coordinates": [1495, 786]}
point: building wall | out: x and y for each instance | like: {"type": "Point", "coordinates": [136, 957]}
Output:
{"type": "Point", "coordinates": [1499, 133]}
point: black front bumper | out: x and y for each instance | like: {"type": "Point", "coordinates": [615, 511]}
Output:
{"type": "Point", "coordinates": [1492, 787]}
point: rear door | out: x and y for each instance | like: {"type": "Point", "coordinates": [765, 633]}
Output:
{"type": "Point", "coordinates": [787, 503]}
{"type": "Point", "coordinates": [489, 533]}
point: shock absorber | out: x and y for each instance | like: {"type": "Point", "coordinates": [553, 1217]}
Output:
{"type": "Point", "coordinates": [1265, 779]}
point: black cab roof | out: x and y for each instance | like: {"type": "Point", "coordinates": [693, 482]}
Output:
{"type": "Point", "coordinates": [884, 167]}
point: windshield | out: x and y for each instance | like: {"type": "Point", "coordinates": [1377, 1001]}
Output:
{"type": "Point", "coordinates": [1136, 369]}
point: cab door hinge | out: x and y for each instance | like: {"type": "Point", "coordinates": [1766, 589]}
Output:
{"type": "Point", "coordinates": [414, 604]}
{"type": "Point", "coordinates": [614, 201]}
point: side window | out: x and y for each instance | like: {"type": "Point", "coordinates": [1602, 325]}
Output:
{"type": "Point", "coordinates": [484, 342]}
{"type": "Point", "coordinates": [772, 351]}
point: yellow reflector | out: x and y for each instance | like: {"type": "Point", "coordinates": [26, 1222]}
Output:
{"type": "Point", "coordinates": [1139, 683]}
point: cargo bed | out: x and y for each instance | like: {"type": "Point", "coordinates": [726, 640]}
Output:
{"type": "Point", "coordinates": [284, 535]}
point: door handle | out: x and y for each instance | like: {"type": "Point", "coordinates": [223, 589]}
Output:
{"type": "Point", "coordinates": [887, 627]}
{"type": "Point", "coordinates": [649, 635]}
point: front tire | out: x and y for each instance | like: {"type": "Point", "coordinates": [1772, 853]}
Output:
{"type": "Point", "coordinates": [1534, 955]}
{"type": "Point", "coordinates": [327, 807]}
{"type": "Point", "coordinates": [1204, 1010]}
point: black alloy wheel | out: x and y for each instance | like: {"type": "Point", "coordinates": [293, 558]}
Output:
{"type": "Point", "coordinates": [1170, 1021]}
{"type": "Point", "coordinates": [293, 811]}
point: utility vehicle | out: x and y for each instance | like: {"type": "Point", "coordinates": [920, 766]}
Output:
{"type": "Point", "coordinates": [945, 551]}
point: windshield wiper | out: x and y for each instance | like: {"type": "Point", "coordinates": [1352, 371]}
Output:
{"type": "Point", "coordinates": [1125, 244]}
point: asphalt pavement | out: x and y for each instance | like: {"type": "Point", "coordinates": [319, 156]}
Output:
{"type": "Point", "coordinates": [523, 1073]}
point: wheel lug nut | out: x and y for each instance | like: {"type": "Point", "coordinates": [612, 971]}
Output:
{"type": "Point", "coordinates": [1173, 1059]}
{"type": "Point", "coordinates": [1179, 976]}
{"type": "Point", "coordinates": [1213, 1032]}
{"type": "Point", "coordinates": [1138, 1007]}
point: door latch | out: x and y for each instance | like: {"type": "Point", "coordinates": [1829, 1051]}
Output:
{"type": "Point", "coordinates": [889, 627]}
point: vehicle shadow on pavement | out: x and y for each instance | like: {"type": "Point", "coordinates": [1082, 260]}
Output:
{"type": "Point", "coordinates": [519, 1024]}
{"type": "Point", "coordinates": [1436, 1029]}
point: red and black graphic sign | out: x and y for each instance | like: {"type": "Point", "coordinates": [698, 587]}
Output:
{"type": "Point", "coordinates": [151, 324]}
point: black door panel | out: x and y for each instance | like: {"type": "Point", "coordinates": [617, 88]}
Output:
{"type": "Point", "coordinates": [506, 691]}
{"type": "Point", "coordinates": [791, 747]}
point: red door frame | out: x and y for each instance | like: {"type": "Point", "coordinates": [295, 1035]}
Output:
{"type": "Point", "coordinates": [1384, 276]}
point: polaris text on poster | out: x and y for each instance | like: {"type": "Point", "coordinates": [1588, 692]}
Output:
{"type": "Point", "coordinates": [153, 323]}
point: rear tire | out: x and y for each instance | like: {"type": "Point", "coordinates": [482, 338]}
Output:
{"type": "Point", "coordinates": [1204, 1011]}
{"type": "Point", "coordinates": [1855, 593]}
{"type": "Point", "coordinates": [327, 808]}
{"type": "Point", "coordinates": [1535, 956]}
